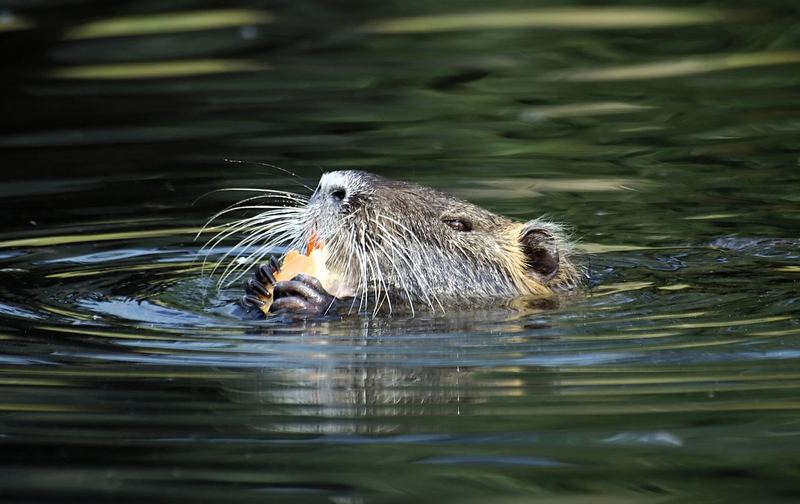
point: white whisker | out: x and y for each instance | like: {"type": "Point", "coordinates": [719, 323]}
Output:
{"type": "Point", "coordinates": [421, 248]}
{"type": "Point", "coordinates": [268, 165]}
{"type": "Point", "coordinates": [369, 244]}
{"type": "Point", "coordinates": [273, 226]}
{"type": "Point", "coordinates": [401, 254]}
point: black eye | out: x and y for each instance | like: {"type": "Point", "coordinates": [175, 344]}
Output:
{"type": "Point", "coordinates": [458, 224]}
{"type": "Point", "coordinates": [338, 194]}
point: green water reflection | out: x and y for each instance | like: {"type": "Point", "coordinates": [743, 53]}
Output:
{"type": "Point", "coordinates": [666, 136]}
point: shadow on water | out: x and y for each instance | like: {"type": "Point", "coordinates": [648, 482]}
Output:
{"type": "Point", "coordinates": [666, 136]}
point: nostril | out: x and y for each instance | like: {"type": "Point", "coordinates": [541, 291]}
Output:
{"type": "Point", "coordinates": [338, 194]}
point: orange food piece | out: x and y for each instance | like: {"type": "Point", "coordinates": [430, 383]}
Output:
{"type": "Point", "coordinates": [313, 243]}
{"type": "Point", "coordinates": [293, 264]}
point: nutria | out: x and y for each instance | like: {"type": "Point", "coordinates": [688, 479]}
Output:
{"type": "Point", "coordinates": [399, 245]}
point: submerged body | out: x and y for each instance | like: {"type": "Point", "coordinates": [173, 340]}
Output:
{"type": "Point", "coordinates": [393, 245]}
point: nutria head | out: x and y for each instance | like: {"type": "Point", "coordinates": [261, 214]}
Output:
{"type": "Point", "coordinates": [396, 243]}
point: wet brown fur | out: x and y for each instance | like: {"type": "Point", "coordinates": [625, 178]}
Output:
{"type": "Point", "coordinates": [404, 227]}
{"type": "Point", "coordinates": [397, 244]}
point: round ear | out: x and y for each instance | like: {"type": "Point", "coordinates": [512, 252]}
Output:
{"type": "Point", "coordinates": [540, 248]}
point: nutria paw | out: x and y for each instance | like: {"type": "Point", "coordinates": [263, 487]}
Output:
{"type": "Point", "coordinates": [256, 293]}
{"type": "Point", "coordinates": [303, 295]}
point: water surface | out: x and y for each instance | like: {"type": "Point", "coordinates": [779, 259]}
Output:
{"type": "Point", "coordinates": [666, 137]}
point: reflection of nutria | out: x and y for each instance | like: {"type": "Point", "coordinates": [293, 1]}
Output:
{"type": "Point", "coordinates": [390, 244]}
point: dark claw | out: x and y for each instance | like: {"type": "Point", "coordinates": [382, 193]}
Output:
{"type": "Point", "coordinates": [293, 304]}
{"type": "Point", "coordinates": [265, 273]}
{"type": "Point", "coordinates": [256, 288]}
{"type": "Point", "coordinates": [297, 288]}
{"type": "Point", "coordinates": [312, 282]}
{"type": "Point", "coordinates": [303, 295]}
{"type": "Point", "coordinates": [274, 263]}
{"type": "Point", "coordinates": [249, 301]}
